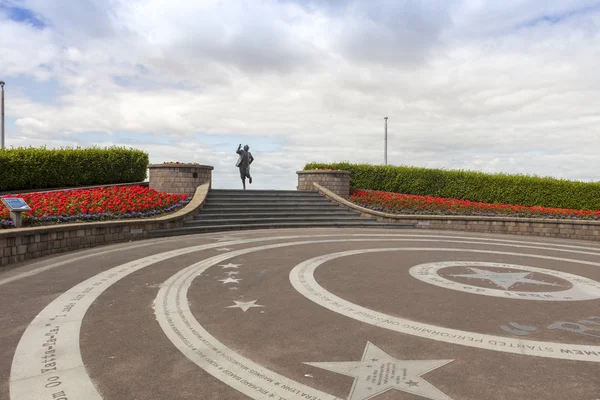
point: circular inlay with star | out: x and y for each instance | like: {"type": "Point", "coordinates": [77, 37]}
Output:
{"type": "Point", "coordinates": [507, 280]}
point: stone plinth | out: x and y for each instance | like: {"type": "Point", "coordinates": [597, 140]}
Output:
{"type": "Point", "coordinates": [335, 180]}
{"type": "Point", "coordinates": [179, 178]}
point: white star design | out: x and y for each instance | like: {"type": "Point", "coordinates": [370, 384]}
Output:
{"type": "Point", "coordinates": [229, 265]}
{"type": "Point", "coordinates": [505, 280]}
{"type": "Point", "coordinates": [230, 280]}
{"type": "Point", "coordinates": [372, 378]}
{"type": "Point", "coordinates": [229, 273]}
{"type": "Point", "coordinates": [245, 305]}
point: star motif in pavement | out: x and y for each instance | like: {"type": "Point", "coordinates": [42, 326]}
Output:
{"type": "Point", "coordinates": [505, 280]}
{"type": "Point", "coordinates": [229, 273]}
{"type": "Point", "coordinates": [230, 265]}
{"type": "Point", "coordinates": [230, 280]}
{"type": "Point", "coordinates": [245, 305]}
{"type": "Point", "coordinates": [372, 378]}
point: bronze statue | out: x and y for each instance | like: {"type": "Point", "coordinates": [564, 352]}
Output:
{"type": "Point", "coordinates": [243, 163]}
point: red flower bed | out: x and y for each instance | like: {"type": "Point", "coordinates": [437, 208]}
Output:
{"type": "Point", "coordinates": [97, 204]}
{"type": "Point", "coordinates": [427, 205]}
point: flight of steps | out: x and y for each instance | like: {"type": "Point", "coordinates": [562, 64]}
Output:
{"type": "Point", "coordinates": [226, 210]}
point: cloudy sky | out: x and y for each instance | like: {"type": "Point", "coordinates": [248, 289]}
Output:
{"type": "Point", "coordinates": [498, 86]}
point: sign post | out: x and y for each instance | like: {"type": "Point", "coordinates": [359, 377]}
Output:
{"type": "Point", "coordinates": [16, 206]}
{"type": "Point", "coordinates": [2, 114]}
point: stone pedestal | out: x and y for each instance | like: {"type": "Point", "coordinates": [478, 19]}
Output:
{"type": "Point", "coordinates": [179, 178]}
{"type": "Point", "coordinates": [337, 181]}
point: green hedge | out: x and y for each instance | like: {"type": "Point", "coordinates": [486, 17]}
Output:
{"type": "Point", "coordinates": [475, 186]}
{"type": "Point", "coordinates": [40, 168]}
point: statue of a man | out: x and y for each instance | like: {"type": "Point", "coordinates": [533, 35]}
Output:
{"type": "Point", "coordinates": [243, 163]}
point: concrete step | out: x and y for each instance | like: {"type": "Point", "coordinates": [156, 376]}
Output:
{"type": "Point", "coordinates": [251, 192]}
{"type": "Point", "coordinates": [189, 230]}
{"type": "Point", "coordinates": [272, 214]}
{"type": "Point", "coordinates": [257, 194]}
{"type": "Point", "coordinates": [274, 220]}
{"type": "Point", "coordinates": [265, 199]}
{"type": "Point", "coordinates": [229, 210]}
{"type": "Point", "coordinates": [287, 205]}
{"type": "Point", "coordinates": [266, 210]}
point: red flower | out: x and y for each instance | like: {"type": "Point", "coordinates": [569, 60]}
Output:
{"type": "Point", "coordinates": [79, 203]}
{"type": "Point", "coordinates": [405, 203]}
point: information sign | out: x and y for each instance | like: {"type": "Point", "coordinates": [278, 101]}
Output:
{"type": "Point", "coordinates": [15, 204]}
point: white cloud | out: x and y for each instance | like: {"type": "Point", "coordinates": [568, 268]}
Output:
{"type": "Point", "coordinates": [25, 50]}
{"type": "Point", "coordinates": [498, 87]}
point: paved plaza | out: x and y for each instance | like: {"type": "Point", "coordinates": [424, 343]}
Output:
{"type": "Point", "coordinates": [315, 314]}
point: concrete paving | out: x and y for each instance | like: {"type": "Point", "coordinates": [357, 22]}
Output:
{"type": "Point", "coordinates": [306, 314]}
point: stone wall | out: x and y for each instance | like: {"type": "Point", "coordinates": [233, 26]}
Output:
{"type": "Point", "coordinates": [579, 230]}
{"type": "Point", "coordinates": [22, 244]}
{"type": "Point", "coordinates": [336, 181]}
{"type": "Point", "coordinates": [179, 178]}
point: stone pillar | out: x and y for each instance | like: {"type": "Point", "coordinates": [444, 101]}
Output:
{"type": "Point", "coordinates": [179, 178]}
{"type": "Point", "coordinates": [335, 180]}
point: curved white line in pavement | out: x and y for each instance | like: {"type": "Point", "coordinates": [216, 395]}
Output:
{"type": "Point", "coordinates": [551, 246]}
{"type": "Point", "coordinates": [581, 288]}
{"type": "Point", "coordinates": [48, 360]}
{"type": "Point", "coordinates": [303, 280]}
{"type": "Point", "coordinates": [73, 259]}
{"type": "Point", "coordinates": [198, 345]}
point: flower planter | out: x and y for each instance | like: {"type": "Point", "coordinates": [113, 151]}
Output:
{"type": "Point", "coordinates": [179, 178]}
{"type": "Point", "coordinates": [337, 181]}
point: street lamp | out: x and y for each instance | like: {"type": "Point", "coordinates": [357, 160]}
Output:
{"type": "Point", "coordinates": [385, 147]}
{"type": "Point", "coordinates": [2, 114]}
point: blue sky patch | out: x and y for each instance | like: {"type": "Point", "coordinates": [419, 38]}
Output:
{"type": "Point", "coordinates": [23, 15]}
{"type": "Point", "coordinates": [560, 17]}
{"type": "Point", "coordinates": [45, 92]}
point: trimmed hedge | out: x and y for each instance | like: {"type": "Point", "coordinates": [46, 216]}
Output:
{"type": "Point", "coordinates": [40, 168]}
{"type": "Point", "coordinates": [475, 186]}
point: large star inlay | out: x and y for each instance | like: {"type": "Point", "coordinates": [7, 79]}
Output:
{"type": "Point", "coordinates": [505, 280]}
{"type": "Point", "coordinates": [378, 372]}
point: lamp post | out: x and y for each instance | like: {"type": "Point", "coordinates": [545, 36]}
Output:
{"type": "Point", "coordinates": [2, 114]}
{"type": "Point", "coordinates": [385, 146]}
